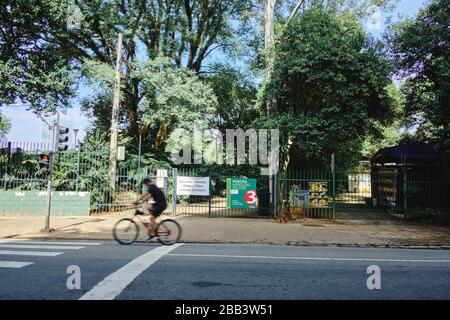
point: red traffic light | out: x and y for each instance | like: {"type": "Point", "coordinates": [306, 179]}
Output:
{"type": "Point", "coordinates": [45, 157]}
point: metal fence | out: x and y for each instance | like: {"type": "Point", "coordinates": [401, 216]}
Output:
{"type": "Point", "coordinates": [215, 205]}
{"type": "Point", "coordinates": [314, 194]}
{"type": "Point", "coordinates": [364, 193]}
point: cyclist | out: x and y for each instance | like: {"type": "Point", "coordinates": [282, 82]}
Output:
{"type": "Point", "coordinates": [159, 205]}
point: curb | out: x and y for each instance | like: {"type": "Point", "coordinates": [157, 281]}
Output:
{"type": "Point", "coordinates": [294, 244]}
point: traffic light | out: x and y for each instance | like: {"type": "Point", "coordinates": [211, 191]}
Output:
{"type": "Point", "coordinates": [62, 139]}
{"type": "Point", "coordinates": [44, 162]}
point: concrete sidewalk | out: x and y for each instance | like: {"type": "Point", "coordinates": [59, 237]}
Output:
{"type": "Point", "coordinates": [236, 230]}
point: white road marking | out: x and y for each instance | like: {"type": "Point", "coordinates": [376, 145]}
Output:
{"type": "Point", "coordinates": [116, 282]}
{"type": "Point", "coordinates": [303, 258]}
{"type": "Point", "coordinates": [53, 242]}
{"type": "Point", "coordinates": [26, 246]}
{"type": "Point", "coordinates": [14, 264]}
{"type": "Point", "coordinates": [30, 253]}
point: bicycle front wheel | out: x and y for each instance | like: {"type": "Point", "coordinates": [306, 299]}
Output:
{"type": "Point", "coordinates": [126, 231]}
{"type": "Point", "coordinates": [168, 231]}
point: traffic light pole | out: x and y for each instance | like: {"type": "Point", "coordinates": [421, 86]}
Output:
{"type": "Point", "coordinates": [49, 193]}
{"type": "Point", "coordinates": [49, 174]}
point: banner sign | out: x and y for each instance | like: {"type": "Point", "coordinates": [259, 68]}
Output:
{"type": "Point", "coordinates": [241, 193]}
{"type": "Point", "coordinates": [318, 194]}
{"type": "Point", "coordinates": [192, 186]}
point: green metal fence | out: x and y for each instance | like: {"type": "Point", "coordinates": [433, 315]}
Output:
{"type": "Point", "coordinates": [385, 192]}
{"type": "Point", "coordinates": [309, 194]}
{"type": "Point", "coordinates": [215, 205]}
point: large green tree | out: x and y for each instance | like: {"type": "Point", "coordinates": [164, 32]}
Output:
{"type": "Point", "coordinates": [41, 55]}
{"type": "Point", "coordinates": [34, 66]}
{"type": "Point", "coordinates": [420, 48]}
{"type": "Point", "coordinates": [330, 83]}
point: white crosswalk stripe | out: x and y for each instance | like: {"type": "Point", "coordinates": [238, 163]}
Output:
{"type": "Point", "coordinates": [25, 246]}
{"type": "Point", "coordinates": [52, 242]}
{"type": "Point", "coordinates": [35, 249]}
{"type": "Point", "coordinates": [14, 264]}
{"type": "Point", "coordinates": [30, 253]}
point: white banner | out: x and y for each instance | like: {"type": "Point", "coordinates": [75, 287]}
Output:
{"type": "Point", "coordinates": [192, 186]}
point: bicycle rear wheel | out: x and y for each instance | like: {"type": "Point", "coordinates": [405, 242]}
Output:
{"type": "Point", "coordinates": [168, 232]}
{"type": "Point", "coordinates": [126, 231]}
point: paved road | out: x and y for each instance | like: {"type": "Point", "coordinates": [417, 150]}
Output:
{"type": "Point", "coordinates": [38, 270]}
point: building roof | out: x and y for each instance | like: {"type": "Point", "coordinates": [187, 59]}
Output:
{"type": "Point", "coordinates": [411, 153]}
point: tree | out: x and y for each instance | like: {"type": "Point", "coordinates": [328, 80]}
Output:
{"type": "Point", "coordinates": [420, 49]}
{"type": "Point", "coordinates": [330, 83]}
{"type": "Point", "coordinates": [389, 134]}
{"type": "Point", "coordinates": [274, 13]}
{"type": "Point", "coordinates": [236, 98]}
{"type": "Point", "coordinates": [186, 31]}
{"type": "Point", "coordinates": [5, 125]}
{"type": "Point", "coordinates": [34, 67]}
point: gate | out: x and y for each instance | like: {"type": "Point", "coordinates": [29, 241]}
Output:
{"type": "Point", "coordinates": [216, 204]}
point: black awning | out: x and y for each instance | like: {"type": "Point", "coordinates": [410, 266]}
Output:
{"type": "Point", "coordinates": [416, 153]}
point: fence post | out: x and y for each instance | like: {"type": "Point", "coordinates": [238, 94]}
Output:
{"type": "Point", "coordinates": [174, 191]}
{"type": "Point", "coordinates": [274, 195]}
{"type": "Point", "coordinates": [210, 194]}
{"type": "Point", "coordinates": [405, 186]}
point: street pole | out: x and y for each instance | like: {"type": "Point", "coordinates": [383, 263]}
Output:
{"type": "Point", "coordinates": [115, 118]}
{"type": "Point", "coordinates": [49, 175]}
{"type": "Point", "coordinates": [49, 193]}
{"type": "Point", "coordinates": [55, 129]}
{"type": "Point", "coordinates": [75, 132]}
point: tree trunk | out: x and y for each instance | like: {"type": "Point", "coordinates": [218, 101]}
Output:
{"type": "Point", "coordinates": [269, 31]}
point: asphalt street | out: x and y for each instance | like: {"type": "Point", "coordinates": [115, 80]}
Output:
{"type": "Point", "coordinates": [106, 270]}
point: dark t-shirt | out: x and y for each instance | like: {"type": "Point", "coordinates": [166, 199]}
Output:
{"type": "Point", "coordinates": [157, 195]}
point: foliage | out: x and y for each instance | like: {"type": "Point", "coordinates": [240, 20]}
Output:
{"type": "Point", "coordinates": [236, 99]}
{"type": "Point", "coordinates": [93, 171]}
{"type": "Point", "coordinates": [386, 135]}
{"type": "Point", "coordinates": [330, 83]}
{"type": "Point", "coordinates": [33, 66]}
{"type": "Point", "coordinates": [5, 125]}
{"type": "Point", "coordinates": [420, 49]}
{"type": "Point", "coordinates": [173, 96]}
{"type": "Point", "coordinates": [41, 58]}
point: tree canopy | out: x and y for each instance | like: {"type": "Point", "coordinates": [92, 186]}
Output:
{"type": "Point", "coordinates": [330, 83]}
{"type": "Point", "coordinates": [420, 49]}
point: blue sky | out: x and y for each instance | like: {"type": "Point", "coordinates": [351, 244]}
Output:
{"type": "Point", "coordinates": [27, 127]}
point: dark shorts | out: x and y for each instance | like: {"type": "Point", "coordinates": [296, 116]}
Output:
{"type": "Point", "coordinates": [157, 209]}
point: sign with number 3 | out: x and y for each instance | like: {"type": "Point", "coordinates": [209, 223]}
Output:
{"type": "Point", "coordinates": [250, 197]}
{"type": "Point", "coordinates": [241, 193]}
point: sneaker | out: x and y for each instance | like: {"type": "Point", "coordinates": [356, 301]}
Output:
{"type": "Point", "coordinates": [152, 239]}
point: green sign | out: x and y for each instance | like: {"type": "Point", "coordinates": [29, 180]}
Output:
{"type": "Point", "coordinates": [241, 193]}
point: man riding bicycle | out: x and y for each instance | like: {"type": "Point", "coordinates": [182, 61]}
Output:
{"type": "Point", "coordinates": [159, 205]}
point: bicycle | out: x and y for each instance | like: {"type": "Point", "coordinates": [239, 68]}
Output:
{"type": "Point", "coordinates": [126, 231]}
